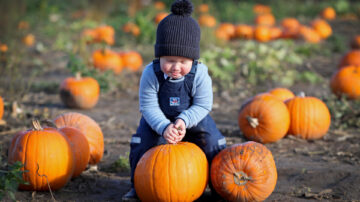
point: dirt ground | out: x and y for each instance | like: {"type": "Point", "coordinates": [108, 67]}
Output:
{"type": "Point", "coordinates": [325, 169]}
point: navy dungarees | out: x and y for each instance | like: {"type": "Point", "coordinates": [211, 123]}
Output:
{"type": "Point", "coordinates": [175, 97]}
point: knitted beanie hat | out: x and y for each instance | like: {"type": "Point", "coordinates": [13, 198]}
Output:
{"type": "Point", "coordinates": [178, 34]}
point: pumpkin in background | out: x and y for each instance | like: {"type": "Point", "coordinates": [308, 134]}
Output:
{"type": "Point", "coordinates": [160, 16]}
{"type": "Point", "coordinates": [3, 48]}
{"type": "Point", "coordinates": [132, 60]}
{"type": "Point", "coordinates": [275, 32]}
{"type": "Point", "coordinates": [265, 19]}
{"type": "Point", "coordinates": [89, 35]}
{"type": "Point", "coordinates": [244, 172]}
{"type": "Point", "coordinates": [309, 34]}
{"type": "Point", "coordinates": [261, 9]}
{"type": "Point", "coordinates": [80, 147]}
{"type": "Point", "coordinates": [265, 119]}
{"type": "Point", "coordinates": [46, 155]}
{"type": "Point", "coordinates": [132, 28]}
{"type": "Point", "coordinates": [107, 60]}
{"type": "Point", "coordinates": [244, 31]}
{"type": "Point", "coordinates": [310, 117]}
{"type": "Point", "coordinates": [346, 81]}
{"type": "Point", "coordinates": [79, 92]}
{"type": "Point", "coordinates": [262, 33]}
{"type": "Point", "coordinates": [159, 5]}
{"type": "Point", "coordinates": [207, 20]}
{"type": "Point", "coordinates": [28, 40]}
{"type": "Point", "coordinates": [350, 58]}
{"type": "Point", "coordinates": [291, 28]}
{"type": "Point", "coordinates": [355, 42]}
{"type": "Point", "coordinates": [328, 13]}
{"type": "Point", "coordinates": [203, 8]}
{"type": "Point", "coordinates": [105, 34]}
{"type": "Point", "coordinates": [1, 107]}
{"type": "Point", "coordinates": [225, 31]}
{"type": "Point", "coordinates": [322, 28]}
{"type": "Point", "coordinates": [171, 172]}
{"type": "Point", "coordinates": [89, 128]}
{"type": "Point", "coordinates": [282, 93]}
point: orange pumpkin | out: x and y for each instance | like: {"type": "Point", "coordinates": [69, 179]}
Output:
{"type": "Point", "coordinates": [105, 34]}
{"type": "Point", "coordinates": [160, 16]}
{"type": "Point", "coordinates": [264, 120]}
{"type": "Point", "coordinates": [132, 60]}
{"type": "Point", "coordinates": [1, 107]}
{"type": "Point", "coordinates": [244, 31]}
{"type": "Point", "coordinates": [322, 28]}
{"type": "Point", "coordinates": [89, 35]}
{"type": "Point", "coordinates": [262, 33]}
{"type": "Point", "coordinates": [261, 9]}
{"type": "Point", "coordinates": [46, 155]}
{"type": "Point", "coordinates": [309, 34]}
{"type": "Point", "coordinates": [355, 42]}
{"type": "Point", "coordinates": [171, 172]}
{"type": "Point", "coordinates": [89, 128]}
{"type": "Point", "coordinates": [310, 117]}
{"type": "Point", "coordinates": [350, 58]}
{"type": "Point", "coordinates": [3, 48]}
{"type": "Point", "coordinates": [328, 13]}
{"type": "Point", "coordinates": [203, 8]}
{"type": "Point", "coordinates": [244, 172]}
{"type": "Point", "coordinates": [225, 31]}
{"type": "Point", "coordinates": [207, 20]}
{"type": "Point", "coordinates": [346, 81]}
{"type": "Point", "coordinates": [282, 94]}
{"type": "Point", "coordinates": [107, 60]}
{"type": "Point", "coordinates": [275, 32]}
{"type": "Point", "coordinates": [80, 147]}
{"type": "Point", "coordinates": [78, 92]}
{"type": "Point", "coordinates": [29, 40]}
{"type": "Point", "coordinates": [132, 28]}
{"type": "Point", "coordinates": [290, 23]}
{"type": "Point", "coordinates": [159, 5]}
{"type": "Point", "coordinates": [265, 19]}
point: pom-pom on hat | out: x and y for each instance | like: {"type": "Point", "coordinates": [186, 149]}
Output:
{"type": "Point", "coordinates": [178, 34]}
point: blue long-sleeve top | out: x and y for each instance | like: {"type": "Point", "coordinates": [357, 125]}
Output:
{"type": "Point", "coordinates": [149, 103]}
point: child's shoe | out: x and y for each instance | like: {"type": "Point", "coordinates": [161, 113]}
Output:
{"type": "Point", "coordinates": [130, 196]}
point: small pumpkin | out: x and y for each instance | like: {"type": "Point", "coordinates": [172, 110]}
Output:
{"type": "Point", "coordinates": [322, 28]}
{"type": "Point", "coordinates": [262, 33]}
{"type": "Point", "coordinates": [265, 19]}
{"type": "Point", "coordinates": [243, 31]}
{"type": "Point", "coordinates": [3, 48]}
{"type": "Point", "coordinates": [244, 172]}
{"type": "Point", "coordinates": [80, 92]}
{"type": "Point", "coordinates": [282, 94]}
{"type": "Point", "coordinates": [159, 5]}
{"type": "Point", "coordinates": [264, 120]}
{"type": "Point", "coordinates": [1, 107]}
{"type": "Point", "coordinates": [89, 35]}
{"type": "Point", "coordinates": [46, 155]}
{"type": "Point", "coordinates": [132, 60]}
{"type": "Point", "coordinates": [107, 60]}
{"type": "Point", "coordinates": [346, 81]}
{"type": "Point", "coordinates": [160, 16]}
{"type": "Point", "coordinates": [310, 117]}
{"type": "Point", "coordinates": [29, 40]}
{"type": "Point", "coordinates": [203, 8]}
{"type": "Point", "coordinates": [105, 34]}
{"type": "Point", "coordinates": [328, 13]}
{"type": "Point", "coordinates": [259, 9]}
{"type": "Point", "coordinates": [89, 128]}
{"type": "Point", "coordinates": [350, 58]}
{"type": "Point", "coordinates": [225, 31]}
{"type": "Point", "coordinates": [171, 172]}
{"type": "Point", "coordinates": [310, 35]}
{"type": "Point", "coordinates": [207, 20]}
{"type": "Point", "coordinates": [132, 28]}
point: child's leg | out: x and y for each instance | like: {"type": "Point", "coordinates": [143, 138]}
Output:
{"type": "Point", "coordinates": [144, 139]}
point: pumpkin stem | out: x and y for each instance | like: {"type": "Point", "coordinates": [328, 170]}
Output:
{"type": "Point", "coordinates": [49, 123]}
{"type": "Point", "coordinates": [241, 178]}
{"type": "Point", "coordinates": [36, 124]}
{"type": "Point", "coordinates": [301, 94]}
{"type": "Point", "coordinates": [254, 122]}
{"type": "Point", "coordinates": [78, 75]}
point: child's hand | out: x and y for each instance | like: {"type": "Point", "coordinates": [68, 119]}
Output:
{"type": "Point", "coordinates": [180, 126]}
{"type": "Point", "coordinates": [171, 134]}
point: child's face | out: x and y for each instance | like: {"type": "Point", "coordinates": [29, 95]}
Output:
{"type": "Point", "coordinates": [175, 66]}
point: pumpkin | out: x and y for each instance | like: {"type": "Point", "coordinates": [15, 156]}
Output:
{"type": "Point", "coordinates": [244, 172]}
{"type": "Point", "coordinates": [275, 33]}
{"type": "Point", "coordinates": [207, 20]}
{"type": "Point", "coordinates": [225, 31]}
{"type": "Point", "coordinates": [264, 120]}
{"type": "Point", "coordinates": [244, 31]}
{"type": "Point", "coordinates": [105, 34]}
{"type": "Point", "coordinates": [350, 58]}
{"type": "Point", "coordinates": [89, 128]}
{"type": "Point", "coordinates": [262, 33]}
{"type": "Point", "coordinates": [132, 60]}
{"type": "Point", "coordinates": [47, 156]}
{"type": "Point", "coordinates": [261, 9]}
{"type": "Point", "coordinates": [290, 23]}
{"type": "Point", "coordinates": [310, 117]}
{"type": "Point", "coordinates": [322, 28]}
{"type": "Point", "coordinates": [89, 35]}
{"type": "Point", "coordinates": [107, 60]}
{"type": "Point", "coordinates": [355, 42]}
{"type": "Point", "coordinates": [78, 92]}
{"type": "Point", "coordinates": [28, 40]}
{"type": "Point", "coordinates": [132, 28]}
{"type": "Point", "coordinates": [328, 13]}
{"type": "Point", "coordinates": [1, 107]}
{"type": "Point", "coordinates": [309, 34]}
{"type": "Point", "coordinates": [159, 5]}
{"type": "Point", "coordinates": [282, 94]}
{"type": "Point", "coordinates": [265, 19]}
{"type": "Point", "coordinates": [171, 172]}
{"type": "Point", "coordinates": [3, 48]}
{"type": "Point", "coordinates": [203, 8]}
{"type": "Point", "coordinates": [160, 16]}
{"type": "Point", "coordinates": [346, 81]}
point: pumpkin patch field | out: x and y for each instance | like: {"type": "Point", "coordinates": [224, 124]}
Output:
{"type": "Point", "coordinates": [286, 96]}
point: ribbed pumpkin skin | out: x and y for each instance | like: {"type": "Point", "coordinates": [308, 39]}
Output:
{"type": "Point", "coordinates": [282, 93]}
{"type": "Point", "coordinates": [310, 117]}
{"type": "Point", "coordinates": [346, 81]}
{"type": "Point", "coordinates": [249, 159]}
{"type": "Point", "coordinates": [89, 128]}
{"type": "Point", "coordinates": [171, 172]}
{"type": "Point", "coordinates": [80, 93]}
{"type": "Point", "coordinates": [50, 150]}
{"type": "Point", "coordinates": [1, 107]}
{"type": "Point", "coordinates": [272, 116]}
{"type": "Point", "coordinates": [80, 147]}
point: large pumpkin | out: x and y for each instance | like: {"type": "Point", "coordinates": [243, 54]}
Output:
{"type": "Point", "coordinates": [171, 172]}
{"type": "Point", "coordinates": [47, 156]}
{"type": "Point", "coordinates": [265, 119]}
{"type": "Point", "coordinates": [89, 128]}
{"type": "Point", "coordinates": [244, 172]}
{"type": "Point", "coordinates": [310, 117]}
{"type": "Point", "coordinates": [346, 81]}
{"type": "Point", "coordinates": [79, 92]}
